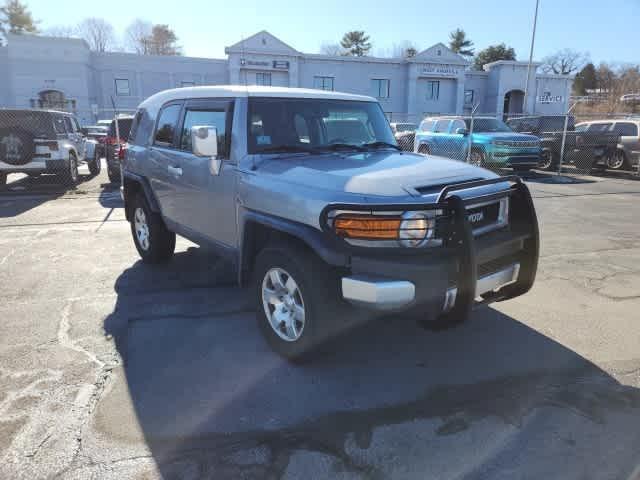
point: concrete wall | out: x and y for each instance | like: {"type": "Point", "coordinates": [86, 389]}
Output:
{"type": "Point", "coordinates": [477, 81]}
{"type": "Point", "coordinates": [5, 77]}
{"type": "Point", "coordinates": [356, 76]}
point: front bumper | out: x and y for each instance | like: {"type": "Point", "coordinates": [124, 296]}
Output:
{"type": "Point", "coordinates": [514, 157]}
{"type": "Point", "coordinates": [468, 268]}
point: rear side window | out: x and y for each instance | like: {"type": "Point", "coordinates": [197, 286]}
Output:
{"type": "Point", "coordinates": [209, 118]}
{"type": "Point", "coordinates": [167, 124]}
{"type": "Point", "coordinates": [442, 126]}
{"type": "Point", "coordinates": [599, 127]}
{"type": "Point", "coordinates": [626, 129]}
{"type": "Point", "coordinates": [67, 125]}
{"type": "Point", "coordinates": [456, 124]}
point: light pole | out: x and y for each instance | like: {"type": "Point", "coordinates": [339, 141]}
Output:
{"type": "Point", "coordinates": [533, 41]}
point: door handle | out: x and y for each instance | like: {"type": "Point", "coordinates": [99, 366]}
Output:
{"type": "Point", "coordinates": [174, 170]}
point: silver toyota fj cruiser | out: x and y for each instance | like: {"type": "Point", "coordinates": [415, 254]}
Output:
{"type": "Point", "coordinates": [309, 197]}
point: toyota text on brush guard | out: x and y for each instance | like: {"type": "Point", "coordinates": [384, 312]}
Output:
{"type": "Point", "coordinates": [309, 197]}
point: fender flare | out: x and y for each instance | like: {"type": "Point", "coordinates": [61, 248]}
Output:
{"type": "Point", "coordinates": [313, 238]}
{"type": "Point", "coordinates": [145, 187]}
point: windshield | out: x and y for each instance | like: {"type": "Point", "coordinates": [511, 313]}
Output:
{"type": "Point", "coordinates": [487, 125]}
{"type": "Point", "coordinates": [298, 124]}
{"type": "Point", "coordinates": [124, 126]}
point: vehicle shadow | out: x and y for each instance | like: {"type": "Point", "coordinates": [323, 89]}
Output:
{"type": "Point", "coordinates": [209, 396]}
{"type": "Point", "coordinates": [25, 193]}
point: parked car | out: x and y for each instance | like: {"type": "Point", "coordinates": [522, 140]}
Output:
{"type": "Point", "coordinates": [308, 196]}
{"type": "Point", "coordinates": [492, 143]}
{"type": "Point", "coordinates": [115, 147]}
{"type": "Point", "coordinates": [43, 141]}
{"type": "Point", "coordinates": [586, 149]}
{"type": "Point", "coordinates": [405, 133]}
{"type": "Point", "coordinates": [627, 133]}
{"type": "Point", "coordinates": [99, 134]}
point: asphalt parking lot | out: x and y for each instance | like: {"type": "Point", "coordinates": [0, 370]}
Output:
{"type": "Point", "coordinates": [113, 369]}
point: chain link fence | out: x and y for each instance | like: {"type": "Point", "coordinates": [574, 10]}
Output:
{"type": "Point", "coordinates": [48, 151]}
{"type": "Point", "coordinates": [560, 144]}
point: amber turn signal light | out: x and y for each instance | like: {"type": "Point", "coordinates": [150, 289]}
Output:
{"type": "Point", "coordinates": [368, 227]}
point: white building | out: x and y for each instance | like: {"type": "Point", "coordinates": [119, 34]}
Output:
{"type": "Point", "coordinates": [63, 73]}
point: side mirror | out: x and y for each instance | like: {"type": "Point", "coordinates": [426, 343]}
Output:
{"type": "Point", "coordinates": [85, 131]}
{"type": "Point", "coordinates": [462, 131]}
{"type": "Point", "coordinates": [204, 143]}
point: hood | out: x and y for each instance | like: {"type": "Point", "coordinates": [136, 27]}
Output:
{"type": "Point", "coordinates": [509, 136]}
{"type": "Point", "coordinates": [372, 173]}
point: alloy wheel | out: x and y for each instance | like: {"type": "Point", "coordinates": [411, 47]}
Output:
{"type": "Point", "coordinates": [141, 228]}
{"type": "Point", "coordinates": [283, 304]}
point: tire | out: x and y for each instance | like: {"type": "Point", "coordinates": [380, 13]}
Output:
{"type": "Point", "coordinates": [114, 176]}
{"type": "Point", "coordinates": [95, 164]}
{"type": "Point", "coordinates": [312, 294]}
{"type": "Point", "coordinates": [617, 160]}
{"type": "Point", "coordinates": [19, 146]}
{"type": "Point", "coordinates": [154, 242]}
{"type": "Point", "coordinates": [547, 160]}
{"type": "Point", "coordinates": [70, 176]}
{"type": "Point", "coordinates": [424, 149]}
{"type": "Point", "coordinates": [477, 157]}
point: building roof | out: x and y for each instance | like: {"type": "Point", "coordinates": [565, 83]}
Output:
{"type": "Point", "coordinates": [515, 63]}
{"type": "Point", "coordinates": [222, 91]}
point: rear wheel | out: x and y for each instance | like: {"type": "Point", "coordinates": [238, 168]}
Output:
{"type": "Point", "coordinates": [154, 242]}
{"type": "Point", "coordinates": [94, 164]}
{"type": "Point", "coordinates": [114, 175]}
{"type": "Point", "coordinates": [547, 160]}
{"type": "Point", "coordinates": [616, 160]}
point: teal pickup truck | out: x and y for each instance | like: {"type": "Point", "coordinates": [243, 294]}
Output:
{"type": "Point", "coordinates": [492, 142]}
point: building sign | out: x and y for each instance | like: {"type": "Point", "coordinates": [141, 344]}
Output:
{"type": "Point", "coordinates": [254, 63]}
{"type": "Point", "coordinates": [548, 98]}
{"type": "Point", "coordinates": [281, 64]}
{"type": "Point", "coordinates": [441, 70]}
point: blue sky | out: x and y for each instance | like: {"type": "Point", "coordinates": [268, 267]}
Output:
{"type": "Point", "coordinates": [607, 30]}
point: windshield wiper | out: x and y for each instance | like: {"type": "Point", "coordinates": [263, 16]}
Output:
{"type": "Point", "coordinates": [287, 149]}
{"type": "Point", "coordinates": [342, 146]}
{"type": "Point", "coordinates": [381, 145]}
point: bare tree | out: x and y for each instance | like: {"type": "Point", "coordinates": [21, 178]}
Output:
{"type": "Point", "coordinates": [98, 33]}
{"type": "Point", "coordinates": [332, 49]}
{"type": "Point", "coordinates": [564, 62]}
{"type": "Point", "coordinates": [137, 37]}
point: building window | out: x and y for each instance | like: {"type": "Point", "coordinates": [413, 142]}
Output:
{"type": "Point", "coordinates": [122, 87]}
{"type": "Point", "coordinates": [468, 97]}
{"type": "Point", "coordinates": [433, 89]}
{"type": "Point", "coordinates": [323, 83]}
{"type": "Point", "coordinates": [263, 79]}
{"type": "Point", "coordinates": [380, 87]}
{"type": "Point", "coordinates": [187, 84]}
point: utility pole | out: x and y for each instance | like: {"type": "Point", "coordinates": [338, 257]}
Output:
{"type": "Point", "coordinates": [533, 41]}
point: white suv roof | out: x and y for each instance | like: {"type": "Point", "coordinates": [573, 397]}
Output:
{"type": "Point", "coordinates": [221, 91]}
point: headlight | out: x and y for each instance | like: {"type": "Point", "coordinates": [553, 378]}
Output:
{"type": "Point", "coordinates": [408, 229]}
{"type": "Point", "coordinates": [416, 229]}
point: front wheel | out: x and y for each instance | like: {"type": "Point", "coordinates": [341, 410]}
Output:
{"type": "Point", "coordinates": [70, 176]}
{"type": "Point", "coordinates": [154, 242]}
{"type": "Point", "coordinates": [476, 158]}
{"type": "Point", "coordinates": [294, 291]}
